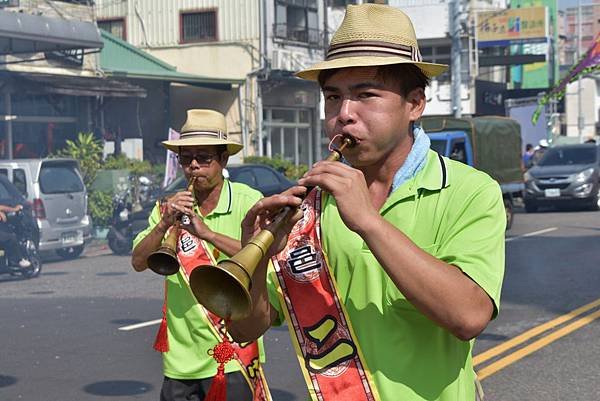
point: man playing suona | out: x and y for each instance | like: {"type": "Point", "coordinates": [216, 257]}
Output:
{"type": "Point", "coordinates": [396, 264]}
{"type": "Point", "coordinates": [215, 209]}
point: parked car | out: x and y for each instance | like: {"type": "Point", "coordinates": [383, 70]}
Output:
{"type": "Point", "coordinates": [263, 178]}
{"type": "Point", "coordinates": [24, 226]}
{"type": "Point", "coordinates": [565, 175]}
{"type": "Point", "coordinates": [56, 190]}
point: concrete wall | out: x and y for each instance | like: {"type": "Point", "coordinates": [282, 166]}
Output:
{"type": "Point", "coordinates": [52, 9]}
{"type": "Point", "coordinates": [590, 103]}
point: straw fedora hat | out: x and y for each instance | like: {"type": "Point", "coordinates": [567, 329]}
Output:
{"type": "Point", "coordinates": [373, 35]}
{"type": "Point", "coordinates": [203, 127]}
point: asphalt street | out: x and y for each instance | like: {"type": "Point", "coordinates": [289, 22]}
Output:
{"type": "Point", "coordinates": [63, 336]}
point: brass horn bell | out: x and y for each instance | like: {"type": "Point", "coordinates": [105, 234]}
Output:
{"type": "Point", "coordinates": [225, 289]}
{"type": "Point", "coordinates": [164, 260]}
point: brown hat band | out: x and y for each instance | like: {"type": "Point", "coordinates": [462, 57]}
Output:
{"type": "Point", "coordinates": [196, 134]}
{"type": "Point", "coordinates": [373, 48]}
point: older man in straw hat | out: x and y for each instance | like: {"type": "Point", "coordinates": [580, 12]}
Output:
{"type": "Point", "coordinates": [215, 209]}
{"type": "Point", "coordinates": [413, 241]}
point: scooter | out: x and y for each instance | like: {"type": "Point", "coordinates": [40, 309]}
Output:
{"type": "Point", "coordinates": [125, 222]}
{"type": "Point", "coordinates": [28, 239]}
{"type": "Point", "coordinates": [120, 236]}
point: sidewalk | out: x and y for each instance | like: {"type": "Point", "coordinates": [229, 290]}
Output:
{"type": "Point", "coordinates": [97, 247]}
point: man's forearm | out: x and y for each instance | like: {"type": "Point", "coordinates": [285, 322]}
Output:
{"type": "Point", "coordinates": [439, 290]}
{"type": "Point", "coordinates": [225, 244]}
{"type": "Point", "coordinates": [148, 245]}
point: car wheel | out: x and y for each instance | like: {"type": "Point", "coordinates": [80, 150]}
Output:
{"type": "Point", "coordinates": [35, 269]}
{"type": "Point", "coordinates": [530, 207]}
{"type": "Point", "coordinates": [596, 201]}
{"type": "Point", "coordinates": [119, 247]}
{"type": "Point", "coordinates": [70, 253]}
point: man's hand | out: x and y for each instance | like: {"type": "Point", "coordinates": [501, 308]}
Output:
{"type": "Point", "coordinates": [176, 205]}
{"type": "Point", "coordinates": [198, 228]}
{"type": "Point", "coordinates": [262, 214]}
{"type": "Point", "coordinates": [3, 217]}
{"type": "Point", "coordinates": [348, 187]}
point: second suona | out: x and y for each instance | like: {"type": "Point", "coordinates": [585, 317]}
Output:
{"type": "Point", "coordinates": [164, 260]}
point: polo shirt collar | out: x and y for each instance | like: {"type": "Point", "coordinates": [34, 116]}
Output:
{"type": "Point", "coordinates": [435, 174]}
{"type": "Point", "coordinates": [225, 198]}
{"type": "Point", "coordinates": [434, 177]}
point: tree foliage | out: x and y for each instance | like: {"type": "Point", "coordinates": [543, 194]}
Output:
{"type": "Point", "coordinates": [88, 151]}
{"type": "Point", "coordinates": [285, 166]}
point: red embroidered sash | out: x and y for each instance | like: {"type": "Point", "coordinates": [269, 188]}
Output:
{"type": "Point", "coordinates": [193, 252]}
{"type": "Point", "coordinates": [328, 352]}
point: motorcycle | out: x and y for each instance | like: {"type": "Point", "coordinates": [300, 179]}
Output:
{"type": "Point", "coordinates": [124, 222]}
{"type": "Point", "coordinates": [28, 237]}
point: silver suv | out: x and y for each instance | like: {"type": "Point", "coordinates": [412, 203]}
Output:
{"type": "Point", "coordinates": [566, 175]}
{"type": "Point", "coordinates": [58, 196]}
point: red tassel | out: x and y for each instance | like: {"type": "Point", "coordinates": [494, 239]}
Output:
{"type": "Point", "coordinates": [218, 387]}
{"type": "Point", "coordinates": [223, 352]}
{"type": "Point", "coordinates": [161, 344]}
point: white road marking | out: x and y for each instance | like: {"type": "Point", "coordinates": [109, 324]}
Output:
{"type": "Point", "coordinates": [544, 231]}
{"type": "Point", "coordinates": [140, 325]}
{"type": "Point", "coordinates": [157, 321]}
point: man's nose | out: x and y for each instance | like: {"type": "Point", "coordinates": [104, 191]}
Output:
{"type": "Point", "coordinates": [346, 114]}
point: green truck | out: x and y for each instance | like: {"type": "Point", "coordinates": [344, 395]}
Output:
{"type": "Point", "coordinates": [489, 143]}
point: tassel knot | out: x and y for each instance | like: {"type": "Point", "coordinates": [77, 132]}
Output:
{"type": "Point", "coordinates": [223, 352]}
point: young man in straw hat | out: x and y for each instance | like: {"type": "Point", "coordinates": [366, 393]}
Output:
{"type": "Point", "coordinates": [215, 209]}
{"type": "Point", "coordinates": [397, 262]}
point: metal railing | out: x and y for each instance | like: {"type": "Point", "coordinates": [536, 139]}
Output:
{"type": "Point", "coordinates": [310, 36]}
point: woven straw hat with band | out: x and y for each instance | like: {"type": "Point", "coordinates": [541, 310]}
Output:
{"type": "Point", "coordinates": [373, 35]}
{"type": "Point", "coordinates": [203, 127]}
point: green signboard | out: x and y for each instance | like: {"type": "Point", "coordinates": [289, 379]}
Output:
{"type": "Point", "coordinates": [543, 74]}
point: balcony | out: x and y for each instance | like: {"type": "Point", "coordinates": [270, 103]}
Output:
{"type": "Point", "coordinates": [299, 34]}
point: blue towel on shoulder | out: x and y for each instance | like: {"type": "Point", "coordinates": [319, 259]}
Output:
{"type": "Point", "coordinates": [415, 161]}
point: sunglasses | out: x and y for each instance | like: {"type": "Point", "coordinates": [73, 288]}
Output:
{"type": "Point", "coordinates": [201, 158]}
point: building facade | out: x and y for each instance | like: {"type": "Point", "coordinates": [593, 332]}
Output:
{"type": "Point", "coordinates": [256, 43]}
{"type": "Point", "coordinates": [590, 26]}
{"type": "Point", "coordinates": [49, 80]}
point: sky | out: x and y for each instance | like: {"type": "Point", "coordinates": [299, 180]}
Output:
{"type": "Point", "coordinates": [562, 4]}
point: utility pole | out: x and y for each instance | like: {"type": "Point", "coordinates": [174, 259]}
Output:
{"type": "Point", "coordinates": [580, 117]}
{"type": "Point", "coordinates": [455, 82]}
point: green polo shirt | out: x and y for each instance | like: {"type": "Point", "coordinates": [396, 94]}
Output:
{"type": "Point", "coordinates": [456, 214]}
{"type": "Point", "coordinates": [190, 338]}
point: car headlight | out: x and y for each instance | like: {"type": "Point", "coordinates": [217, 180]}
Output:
{"type": "Point", "coordinates": [583, 176]}
{"type": "Point", "coordinates": [527, 176]}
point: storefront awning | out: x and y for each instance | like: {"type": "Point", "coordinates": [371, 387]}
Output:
{"type": "Point", "coordinates": [120, 59]}
{"type": "Point", "coordinates": [26, 33]}
{"type": "Point", "coordinates": [72, 86]}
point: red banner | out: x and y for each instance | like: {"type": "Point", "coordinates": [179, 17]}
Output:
{"type": "Point", "coordinates": [332, 363]}
{"type": "Point", "coordinates": [193, 252]}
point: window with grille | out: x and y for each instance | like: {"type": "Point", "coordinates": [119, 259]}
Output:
{"type": "Point", "coordinates": [115, 27]}
{"type": "Point", "coordinates": [297, 20]}
{"type": "Point", "coordinates": [341, 3]}
{"type": "Point", "coordinates": [438, 54]}
{"type": "Point", "coordinates": [199, 26]}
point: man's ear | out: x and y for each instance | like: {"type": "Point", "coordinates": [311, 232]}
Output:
{"type": "Point", "coordinates": [417, 100]}
{"type": "Point", "coordinates": [224, 158]}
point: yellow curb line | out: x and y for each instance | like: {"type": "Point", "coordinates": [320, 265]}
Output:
{"type": "Point", "coordinates": [499, 349]}
{"type": "Point", "coordinates": [536, 345]}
